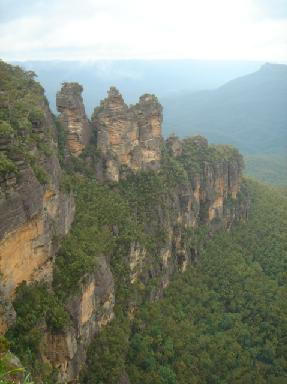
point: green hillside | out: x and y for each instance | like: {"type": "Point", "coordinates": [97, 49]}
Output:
{"type": "Point", "coordinates": [249, 112]}
{"type": "Point", "coordinates": [271, 168]}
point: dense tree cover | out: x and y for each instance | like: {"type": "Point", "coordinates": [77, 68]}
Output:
{"type": "Point", "coordinates": [225, 320]}
{"type": "Point", "coordinates": [107, 354]}
{"type": "Point", "coordinates": [103, 221]}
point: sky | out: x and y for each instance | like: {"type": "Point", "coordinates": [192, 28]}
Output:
{"type": "Point", "coordinates": [143, 29]}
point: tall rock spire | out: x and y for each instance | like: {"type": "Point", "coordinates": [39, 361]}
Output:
{"type": "Point", "coordinates": [73, 117]}
{"type": "Point", "coordinates": [148, 114]}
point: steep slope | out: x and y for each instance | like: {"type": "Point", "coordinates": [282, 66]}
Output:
{"type": "Point", "coordinates": [131, 233]}
{"type": "Point", "coordinates": [249, 112]}
{"type": "Point", "coordinates": [270, 167]}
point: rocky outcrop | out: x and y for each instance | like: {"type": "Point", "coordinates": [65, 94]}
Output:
{"type": "Point", "coordinates": [90, 310]}
{"type": "Point", "coordinates": [148, 114]}
{"type": "Point", "coordinates": [128, 137]}
{"type": "Point", "coordinates": [73, 117]}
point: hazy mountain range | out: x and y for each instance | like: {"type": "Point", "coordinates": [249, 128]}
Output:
{"type": "Point", "coordinates": [249, 112]}
{"type": "Point", "coordinates": [136, 77]}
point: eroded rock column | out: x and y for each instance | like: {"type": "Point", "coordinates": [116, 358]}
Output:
{"type": "Point", "coordinates": [73, 117]}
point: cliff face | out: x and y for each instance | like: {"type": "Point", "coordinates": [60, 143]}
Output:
{"type": "Point", "coordinates": [73, 117]}
{"type": "Point", "coordinates": [171, 192]}
{"type": "Point", "coordinates": [32, 214]}
{"type": "Point", "coordinates": [33, 209]}
{"type": "Point", "coordinates": [128, 136]}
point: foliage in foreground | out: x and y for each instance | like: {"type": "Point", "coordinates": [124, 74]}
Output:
{"type": "Point", "coordinates": [10, 371]}
{"type": "Point", "coordinates": [37, 307]}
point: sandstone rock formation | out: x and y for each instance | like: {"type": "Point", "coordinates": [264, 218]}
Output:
{"type": "Point", "coordinates": [128, 136]}
{"type": "Point", "coordinates": [73, 117]}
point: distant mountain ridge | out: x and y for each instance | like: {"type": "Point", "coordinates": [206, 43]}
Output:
{"type": "Point", "coordinates": [249, 112]}
{"type": "Point", "coordinates": [135, 77]}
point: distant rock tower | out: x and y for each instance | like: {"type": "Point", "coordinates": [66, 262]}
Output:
{"type": "Point", "coordinates": [73, 117]}
{"type": "Point", "coordinates": [128, 136]}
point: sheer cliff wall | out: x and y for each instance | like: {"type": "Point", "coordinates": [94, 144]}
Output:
{"type": "Point", "coordinates": [34, 210]}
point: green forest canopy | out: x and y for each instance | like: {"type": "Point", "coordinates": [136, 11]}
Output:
{"type": "Point", "coordinates": [223, 321]}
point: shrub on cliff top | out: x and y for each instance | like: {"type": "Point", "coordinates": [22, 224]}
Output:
{"type": "Point", "coordinates": [22, 113]}
{"type": "Point", "coordinates": [6, 165]}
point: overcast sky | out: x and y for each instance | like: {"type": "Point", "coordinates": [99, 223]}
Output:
{"type": "Point", "coordinates": [143, 29]}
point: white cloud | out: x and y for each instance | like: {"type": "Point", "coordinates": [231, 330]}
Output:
{"type": "Point", "coordinates": [110, 29]}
